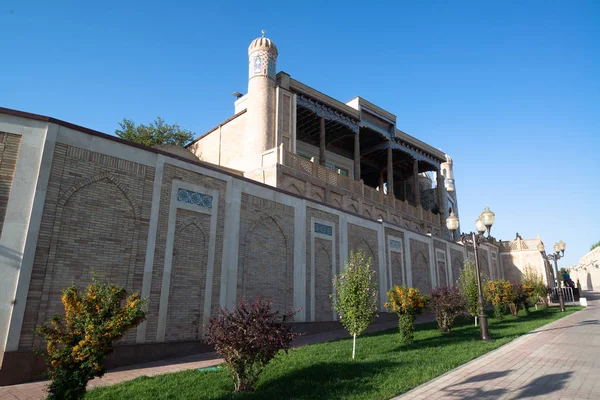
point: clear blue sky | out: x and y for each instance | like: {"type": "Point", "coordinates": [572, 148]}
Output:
{"type": "Point", "coordinates": [511, 90]}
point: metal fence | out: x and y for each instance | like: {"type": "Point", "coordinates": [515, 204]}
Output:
{"type": "Point", "coordinates": [567, 293]}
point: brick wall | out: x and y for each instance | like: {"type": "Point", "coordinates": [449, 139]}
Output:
{"type": "Point", "coordinates": [484, 264]}
{"type": "Point", "coordinates": [397, 260]}
{"type": "Point", "coordinates": [323, 278]}
{"type": "Point", "coordinates": [318, 214]}
{"type": "Point", "coordinates": [365, 239]}
{"type": "Point", "coordinates": [421, 275]}
{"type": "Point", "coordinates": [457, 258]}
{"type": "Point", "coordinates": [95, 219]}
{"type": "Point", "coordinates": [188, 276]}
{"type": "Point", "coordinates": [171, 173]}
{"type": "Point", "coordinates": [441, 264]}
{"type": "Point", "coordinates": [223, 145]}
{"type": "Point", "coordinates": [266, 251]}
{"type": "Point", "coordinates": [361, 238]}
{"type": "Point", "coordinates": [9, 150]}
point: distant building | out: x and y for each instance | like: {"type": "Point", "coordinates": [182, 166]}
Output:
{"type": "Point", "coordinates": [587, 271]}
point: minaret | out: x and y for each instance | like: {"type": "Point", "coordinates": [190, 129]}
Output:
{"type": "Point", "coordinates": [448, 173]}
{"type": "Point", "coordinates": [260, 121]}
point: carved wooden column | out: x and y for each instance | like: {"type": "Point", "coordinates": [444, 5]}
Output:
{"type": "Point", "coordinates": [416, 189]}
{"type": "Point", "coordinates": [357, 156]}
{"type": "Point", "coordinates": [322, 142]}
{"type": "Point", "coordinates": [440, 197]}
{"type": "Point", "coordinates": [390, 171]}
{"type": "Point", "coordinates": [381, 180]}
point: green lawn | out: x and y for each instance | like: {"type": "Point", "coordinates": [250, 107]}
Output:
{"type": "Point", "coordinates": [382, 369]}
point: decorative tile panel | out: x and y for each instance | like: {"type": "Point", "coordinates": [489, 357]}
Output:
{"type": "Point", "coordinates": [199, 199]}
{"type": "Point", "coordinates": [262, 63]}
{"type": "Point", "coordinates": [395, 244]}
{"type": "Point", "coordinates": [323, 229]}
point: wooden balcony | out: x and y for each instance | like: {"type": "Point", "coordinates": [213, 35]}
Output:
{"type": "Point", "coordinates": [305, 177]}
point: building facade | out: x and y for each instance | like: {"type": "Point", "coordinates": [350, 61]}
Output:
{"type": "Point", "coordinates": [270, 202]}
{"type": "Point", "coordinates": [587, 270]}
{"type": "Point", "coordinates": [349, 155]}
{"type": "Point", "coordinates": [519, 254]}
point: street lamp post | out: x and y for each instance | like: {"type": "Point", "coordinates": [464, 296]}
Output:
{"type": "Point", "coordinates": [483, 224]}
{"type": "Point", "coordinates": [559, 252]}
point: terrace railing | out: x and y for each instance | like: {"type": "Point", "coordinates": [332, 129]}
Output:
{"type": "Point", "coordinates": [335, 179]}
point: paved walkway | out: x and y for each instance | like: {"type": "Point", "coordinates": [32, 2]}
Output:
{"type": "Point", "coordinates": [37, 390]}
{"type": "Point", "coordinates": [557, 361]}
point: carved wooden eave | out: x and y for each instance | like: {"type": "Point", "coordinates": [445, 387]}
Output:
{"type": "Point", "coordinates": [328, 113]}
{"type": "Point", "coordinates": [301, 89]}
{"type": "Point", "coordinates": [438, 155]}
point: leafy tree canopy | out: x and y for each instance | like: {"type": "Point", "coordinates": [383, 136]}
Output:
{"type": "Point", "coordinates": [597, 244]}
{"type": "Point", "coordinates": [157, 132]}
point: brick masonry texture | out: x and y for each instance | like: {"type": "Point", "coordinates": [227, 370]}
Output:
{"type": "Point", "coordinates": [441, 265]}
{"type": "Point", "coordinates": [310, 213]}
{"type": "Point", "coordinates": [398, 260]}
{"type": "Point", "coordinates": [188, 276]}
{"type": "Point", "coordinates": [457, 258]}
{"type": "Point", "coordinates": [95, 219]}
{"type": "Point", "coordinates": [323, 280]}
{"type": "Point", "coordinates": [419, 256]}
{"type": "Point", "coordinates": [361, 238]}
{"type": "Point", "coordinates": [484, 263]}
{"type": "Point", "coordinates": [9, 151]}
{"type": "Point", "coordinates": [171, 173]}
{"type": "Point", "coordinates": [266, 251]}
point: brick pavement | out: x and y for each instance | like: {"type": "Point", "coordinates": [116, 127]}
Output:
{"type": "Point", "coordinates": [560, 360]}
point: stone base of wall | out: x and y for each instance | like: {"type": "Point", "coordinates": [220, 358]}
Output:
{"type": "Point", "coordinates": [27, 366]}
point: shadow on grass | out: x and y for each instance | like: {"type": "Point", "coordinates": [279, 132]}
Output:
{"type": "Point", "coordinates": [321, 381]}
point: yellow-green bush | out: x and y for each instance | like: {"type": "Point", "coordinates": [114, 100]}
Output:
{"type": "Point", "coordinates": [78, 342]}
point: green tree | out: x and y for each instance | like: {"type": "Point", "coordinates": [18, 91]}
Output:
{"type": "Point", "coordinates": [597, 244]}
{"type": "Point", "coordinates": [155, 133]}
{"type": "Point", "coordinates": [467, 285]}
{"type": "Point", "coordinates": [355, 297]}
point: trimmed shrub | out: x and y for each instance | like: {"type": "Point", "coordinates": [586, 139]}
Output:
{"type": "Point", "coordinates": [248, 338]}
{"type": "Point", "coordinates": [520, 294]}
{"type": "Point", "coordinates": [78, 343]}
{"type": "Point", "coordinates": [447, 304]}
{"type": "Point", "coordinates": [407, 303]}
{"type": "Point", "coordinates": [355, 297]}
{"type": "Point", "coordinates": [539, 291]}
{"type": "Point", "coordinates": [501, 295]}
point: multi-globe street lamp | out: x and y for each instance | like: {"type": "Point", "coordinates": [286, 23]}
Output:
{"type": "Point", "coordinates": [559, 252]}
{"type": "Point", "coordinates": [483, 224]}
